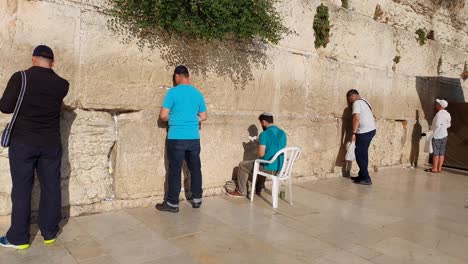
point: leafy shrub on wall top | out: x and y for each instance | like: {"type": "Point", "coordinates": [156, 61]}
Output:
{"type": "Point", "coordinates": [322, 27]}
{"type": "Point", "coordinates": [200, 19]}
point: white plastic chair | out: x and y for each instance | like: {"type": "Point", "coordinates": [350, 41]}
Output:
{"type": "Point", "coordinates": [290, 155]}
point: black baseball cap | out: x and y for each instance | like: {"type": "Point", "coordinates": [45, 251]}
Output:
{"type": "Point", "coordinates": [43, 51]}
{"type": "Point", "coordinates": [181, 69]}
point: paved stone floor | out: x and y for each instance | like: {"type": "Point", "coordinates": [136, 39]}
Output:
{"type": "Point", "coordinates": [407, 216]}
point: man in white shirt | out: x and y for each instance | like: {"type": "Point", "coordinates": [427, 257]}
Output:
{"type": "Point", "coordinates": [440, 124]}
{"type": "Point", "coordinates": [364, 130]}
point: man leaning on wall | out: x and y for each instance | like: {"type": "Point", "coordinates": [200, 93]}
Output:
{"type": "Point", "coordinates": [364, 130]}
{"type": "Point", "coordinates": [439, 127]}
{"type": "Point", "coordinates": [35, 147]}
{"type": "Point", "coordinates": [184, 107]}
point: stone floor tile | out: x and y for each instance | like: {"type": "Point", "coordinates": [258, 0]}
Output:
{"type": "Point", "coordinates": [187, 221]}
{"type": "Point", "coordinates": [228, 245]}
{"type": "Point", "coordinates": [234, 215]}
{"type": "Point", "coordinates": [364, 252]}
{"type": "Point", "coordinates": [115, 227]}
{"type": "Point", "coordinates": [385, 259]}
{"type": "Point", "coordinates": [85, 247]}
{"type": "Point", "coordinates": [301, 244]}
{"type": "Point", "coordinates": [101, 260]}
{"type": "Point", "coordinates": [342, 257]}
{"type": "Point", "coordinates": [455, 246]}
{"type": "Point", "coordinates": [406, 217]}
{"type": "Point", "coordinates": [423, 234]}
{"type": "Point", "coordinates": [175, 259]}
{"type": "Point", "coordinates": [136, 252]}
{"type": "Point", "coordinates": [71, 230]}
{"type": "Point", "coordinates": [406, 250]}
{"type": "Point", "coordinates": [38, 253]}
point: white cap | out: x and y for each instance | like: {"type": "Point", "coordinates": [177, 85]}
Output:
{"type": "Point", "coordinates": [442, 103]}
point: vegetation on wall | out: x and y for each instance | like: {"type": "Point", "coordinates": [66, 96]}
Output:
{"type": "Point", "coordinates": [378, 13]}
{"type": "Point", "coordinates": [345, 3]}
{"type": "Point", "coordinates": [322, 26]}
{"type": "Point", "coordinates": [431, 35]}
{"type": "Point", "coordinates": [439, 66]}
{"type": "Point", "coordinates": [397, 59]}
{"type": "Point", "coordinates": [464, 74]}
{"type": "Point", "coordinates": [224, 37]}
{"type": "Point", "coordinates": [422, 38]}
{"type": "Point", "coordinates": [200, 19]}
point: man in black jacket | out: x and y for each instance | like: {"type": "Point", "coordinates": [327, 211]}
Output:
{"type": "Point", "coordinates": [35, 147]}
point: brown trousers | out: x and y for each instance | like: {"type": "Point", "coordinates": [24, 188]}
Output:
{"type": "Point", "coordinates": [245, 173]}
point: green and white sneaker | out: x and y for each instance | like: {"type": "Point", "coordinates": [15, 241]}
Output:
{"type": "Point", "coordinates": [4, 243]}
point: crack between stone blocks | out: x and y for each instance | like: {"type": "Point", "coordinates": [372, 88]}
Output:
{"type": "Point", "coordinates": [111, 158]}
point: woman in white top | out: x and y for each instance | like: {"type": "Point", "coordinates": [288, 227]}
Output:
{"type": "Point", "coordinates": [440, 124]}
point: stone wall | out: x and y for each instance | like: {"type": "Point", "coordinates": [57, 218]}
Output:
{"type": "Point", "coordinates": [114, 145]}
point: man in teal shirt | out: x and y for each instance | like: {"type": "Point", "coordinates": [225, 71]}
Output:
{"type": "Point", "coordinates": [184, 107]}
{"type": "Point", "coordinates": [270, 141]}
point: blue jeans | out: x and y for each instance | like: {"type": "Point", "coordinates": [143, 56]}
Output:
{"type": "Point", "coordinates": [24, 161]}
{"type": "Point", "coordinates": [362, 154]}
{"type": "Point", "coordinates": [179, 150]}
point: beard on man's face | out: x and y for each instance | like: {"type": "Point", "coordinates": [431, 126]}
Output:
{"type": "Point", "coordinates": [264, 127]}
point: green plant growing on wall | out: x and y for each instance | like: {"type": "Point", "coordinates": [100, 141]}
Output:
{"type": "Point", "coordinates": [431, 35]}
{"type": "Point", "coordinates": [422, 38]}
{"type": "Point", "coordinates": [345, 3]}
{"type": "Point", "coordinates": [397, 59]}
{"type": "Point", "coordinates": [200, 19]}
{"type": "Point", "coordinates": [464, 74]}
{"type": "Point", "coordinates": [439, 66]}
{"type": "Point", "coordinates": [322, 27]}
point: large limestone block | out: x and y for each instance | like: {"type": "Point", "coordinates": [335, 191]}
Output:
{"type": "Point", "coordinates": [140, 151]}
{"type": "Point", "coordinates": [453, 62]}
{"type": "Point", "coordinates": [88, 138]}
{"type": "Point", "coordinates": [357, 39]}
{"type": "Point", "coordinates": [387, 148]}
{"type": "Point", "coordinates": [30, 23]}
{"type": "Point", "coordinates": [8, 11]}
{"type": "Point", "coordinates": [298, 16]}
{"type": "Point", "coordinates": [140, 166]}
{"type": "Point", "coordinates": [393, 103]}
{"type": "Point", "coordinates": [279, 85]}
{"type": "Point", "coordinates": [222, 95]}
{"type": "Point", "coordinates": [319, 141]}
{"type": "Point", "coordinates": [225, 142]}
{"type": "Point", "coordinates": [328, 81]}
{"type": "Point", "coordinates": [5, 178]}
{"type": "Point", "coordinates": [411, 15]}
{"type": "Point", "coordinates": [118, 75]}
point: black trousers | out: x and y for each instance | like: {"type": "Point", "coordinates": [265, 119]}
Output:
{"type": "Point", "coordinates": [363, 142]}
{"type": "Point", "coordinates": [177, 152]}
{"type": "Point", "coordinates": [25, 160]}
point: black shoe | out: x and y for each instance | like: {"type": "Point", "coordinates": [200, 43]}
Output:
{"type": "Point", "coordinates": [258, 191]}
{"type": "Point", "coordinates": [364, 182]}
{"type": "Point", "coordinates": [356, 179]}
{"type": "Point", "coordinates": [164, 207]}
{"type": "Point", "coordinates": [196, 205]}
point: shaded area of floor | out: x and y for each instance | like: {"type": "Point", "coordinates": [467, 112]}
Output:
{"type": "Point", "coordinates": [407, 216]}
